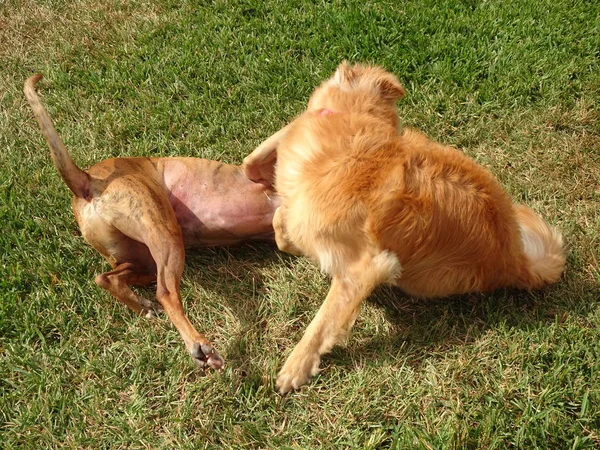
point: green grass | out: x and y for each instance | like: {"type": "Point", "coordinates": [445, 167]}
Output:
{"type": "Point", "coordinates": [514, 84]}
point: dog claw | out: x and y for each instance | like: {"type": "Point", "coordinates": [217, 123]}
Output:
{"type": "Point", "coordinates": [205, 355]}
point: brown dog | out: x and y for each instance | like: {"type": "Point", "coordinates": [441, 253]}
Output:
{"type": "Point", "coordinates": [139, 213]}
{"type": "Point", "coordinates": [374, 206]}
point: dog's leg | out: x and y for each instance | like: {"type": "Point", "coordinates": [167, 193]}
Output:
{"type": "Point", "coordinates": [169, 255]}
{"type": "Point", "coordinates": [134, 221]}
{"type": "Point", "coordinates": [117, 282]}
{"type": "Point", "coordinates": [335, 317]}
{"type": "Point", "coordinates": [258, 165]}
{"type": "Point", "coordinates": [281, 239]}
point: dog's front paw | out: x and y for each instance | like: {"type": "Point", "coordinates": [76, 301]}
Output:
{"type": "Point", "coordinates": [205, 355]}
{"type": "Point", "coordinates": [297, 370]}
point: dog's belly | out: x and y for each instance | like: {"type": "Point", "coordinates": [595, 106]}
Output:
{"type": "Point", "coordinates": [212, 219]}
{"type": "Point", "coordinates": [215, 204]}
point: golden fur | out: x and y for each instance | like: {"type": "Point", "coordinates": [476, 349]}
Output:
{"type": "Point", "coordinates": [373, 206]}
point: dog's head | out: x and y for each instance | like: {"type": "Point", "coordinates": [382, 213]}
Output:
{"type": "Point", "coordinates": [358, 88]}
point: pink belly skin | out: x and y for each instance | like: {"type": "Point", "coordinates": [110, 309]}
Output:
{"type": "Point", "coordinates": [216, 204]}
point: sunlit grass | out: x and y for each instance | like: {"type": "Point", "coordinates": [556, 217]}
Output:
{"type": "Point", "coordinates": [513, 84]}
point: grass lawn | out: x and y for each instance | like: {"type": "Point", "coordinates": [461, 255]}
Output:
{"type": "Point", "coordinates": [514, 84]}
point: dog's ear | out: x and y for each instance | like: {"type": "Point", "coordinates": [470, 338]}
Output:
{"type": "Point", "coordinates": [370, 77]}
{"type": "Point", "coordinates": [390, 87]}
{"type": "Point", "coordinates": [344, 74]}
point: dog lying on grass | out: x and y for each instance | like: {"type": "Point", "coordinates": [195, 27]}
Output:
{"type": "Point", "coordinates": [374, 206]}
{"type": "Point", "coordinates": [140, 213]}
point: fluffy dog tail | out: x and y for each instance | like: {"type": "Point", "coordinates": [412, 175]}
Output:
{"type": "Point", "coordinates": [543, 248]}
{"type": "Point", "coordinates": [75, 178]}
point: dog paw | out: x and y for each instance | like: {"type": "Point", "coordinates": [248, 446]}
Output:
{"type": "Point", "coordinates": [150, 308]}
{"type": "Point", "coordinates": [205, 355]}
{"type": "Point", "coordinates": [149, 313]}
{"type": "Point", "coordinates": [297, 371]}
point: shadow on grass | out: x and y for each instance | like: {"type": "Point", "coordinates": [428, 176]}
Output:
{"type": "Point", "coordinates": [420, 328]}
{"type": "Point", "coordinates": [424, 327]}
{"type": "Point", "coordinates": [236, 275]}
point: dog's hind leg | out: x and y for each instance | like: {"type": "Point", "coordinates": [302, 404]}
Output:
{"type": "Point", "coordinates": [159, 258]}
{"type": "Point", "coordinates": [163, 245]}
{"type": "Point", "coordinates": [168, 253]}
{"type": "Point", "coordinates": [336, 316]}
{"type": "Point", "coordinates": [131, 261]}
{"type": "Point", "coordinates": [133, 222]}
{"type": "Point", "coordinates": [117, 283]}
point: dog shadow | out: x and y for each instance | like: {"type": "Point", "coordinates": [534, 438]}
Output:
{"type": "Point", "coordinates": [236, 275]}
{"type": "Point", "coordinates": [417, 328]}
{"type": "Point", "coordinates": [420, 328]}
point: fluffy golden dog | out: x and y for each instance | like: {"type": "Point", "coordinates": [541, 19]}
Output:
{"type": "Point", "coordinates": [373, 205]}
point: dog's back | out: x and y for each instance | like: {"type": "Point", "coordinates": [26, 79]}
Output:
{"type": "Point", "coordinates": [448, 221]}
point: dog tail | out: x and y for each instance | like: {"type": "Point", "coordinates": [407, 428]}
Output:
{"type": "Point", "coordinates": [75, 178]}
{"type": "Point", "coordinates": [543, 248]}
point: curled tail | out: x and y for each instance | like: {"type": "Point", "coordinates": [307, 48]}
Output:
{"type": "Point", "coordinates": [543, 248]}
{"type": "Point", "coordinates": [75, 178]}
